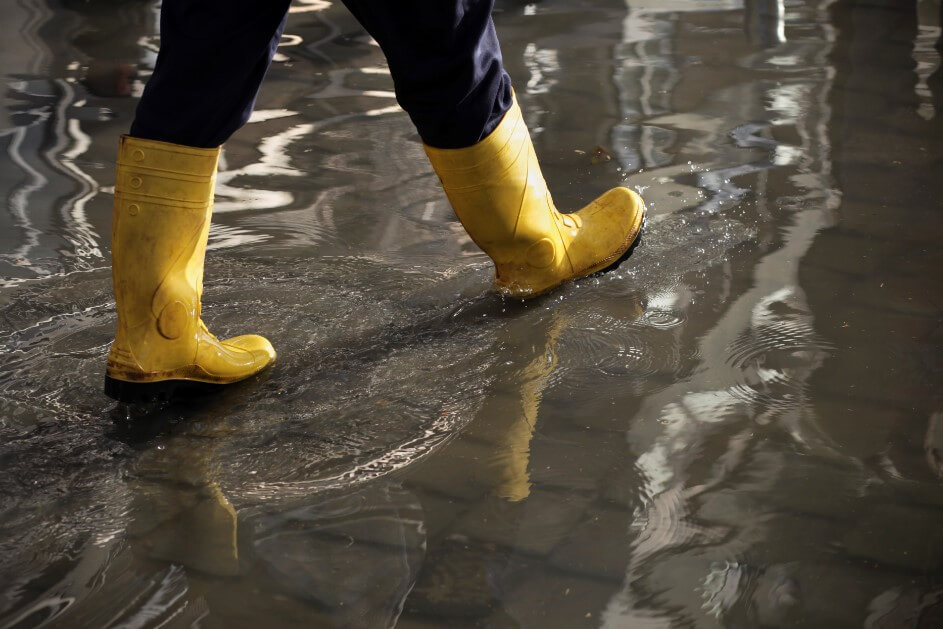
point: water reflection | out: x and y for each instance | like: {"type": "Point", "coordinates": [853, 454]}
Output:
{"type": "Point", "coordinates": [49, 105]}
{"type": "Point", "coordinates": [178, 512]}
{"type": "Point", "coordinates": [353, 553]}
{"type": "Point", "coordinates": [764, 21]}
{"type": "Point", "coordinates": [739, 426]}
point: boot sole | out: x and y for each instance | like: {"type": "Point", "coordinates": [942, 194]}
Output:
{"type": "Point", "coordinates": [161, 391]}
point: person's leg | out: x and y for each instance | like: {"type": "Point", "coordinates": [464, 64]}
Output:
{"type": "Point", "coordinates": [446, 66]}
{"type": "Point", "coordinates": [213, 56]}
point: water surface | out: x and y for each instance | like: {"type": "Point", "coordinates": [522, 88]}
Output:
{"type": "Point", "coordinates": [740, 426]}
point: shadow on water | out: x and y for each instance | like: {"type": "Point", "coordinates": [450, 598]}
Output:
{"type": "Point", "coordinates": [740, 425]}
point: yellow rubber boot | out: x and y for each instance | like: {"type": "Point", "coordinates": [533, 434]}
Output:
{"type": "Point", "coordinates": [498, 192]}
{"type": "Point", "coordinates": [163, 203]}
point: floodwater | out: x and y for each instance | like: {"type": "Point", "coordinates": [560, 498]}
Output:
{"type": "Point", "coordinates": [741, 426]}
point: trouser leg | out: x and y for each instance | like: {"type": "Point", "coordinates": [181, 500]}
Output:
{"type": "Point", "coordinates": [446, 65]}
{"type": "Point", "coordinates": [444, 57]}
{"type": "Point", "coordinates": [213, 56]}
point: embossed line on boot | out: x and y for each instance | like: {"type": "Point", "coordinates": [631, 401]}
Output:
{"type": "Point", "coordinates": [147, 184]}
{"type": "Point", "coordinates": [564, 221]}
{"type": "Point", "coordinates": [571, 221]}
{"type": "Point", "coordinates": [144, 202]}
{"type": "Point", "coordinates": [121, 352]}
{"type": "Point", "coordinates": [166, 157]}
{"type": "Point", "coordinates": [121, 359]}
{"type": "Point", "coordinates": [150, 170]}
{"type": "Point", "coordinates": [137, 170]}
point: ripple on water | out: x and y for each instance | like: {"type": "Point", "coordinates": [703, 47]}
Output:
{"type": "Point", "coordinates": [663, 319]}
{"type": "Point", "coordinates": [629, 349]}
{"type": "Point", "coordinates": [773, 361]}
{"type": "Point", "coordinates": [367, 382]}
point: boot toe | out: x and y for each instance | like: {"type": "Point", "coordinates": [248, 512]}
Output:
{"type": "Point", "coordinates": [610, 225]}
{"type": "Point", "coordinates": [618, 211]}
{"type": "Point", "coordinates": [259, 346]}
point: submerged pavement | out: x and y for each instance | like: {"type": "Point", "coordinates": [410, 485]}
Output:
{"type": "Point", "coordinates": [739, 426]}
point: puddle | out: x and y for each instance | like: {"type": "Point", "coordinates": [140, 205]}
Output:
{"type": "Point", "coordinates": [738, 426]}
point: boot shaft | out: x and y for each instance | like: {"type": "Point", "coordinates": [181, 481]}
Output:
{"type": "Point", "coordinates": [496, 187]}
{"type": "Point", "coordinates": [163, 204]}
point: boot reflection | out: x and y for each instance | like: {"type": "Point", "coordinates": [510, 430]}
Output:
{"type": "Point", "coordinates": [346, 558]}
{"type": "Point", "coordinates": [179, 514]}
{"type": "Point", "coordinates": [507, 420]}
{"type": "Point", "coordinates": [518, 413]}
{"type": "Point", "coordinates": [514, 481]}
{"type": "Point", "coordinates": [486, 494]}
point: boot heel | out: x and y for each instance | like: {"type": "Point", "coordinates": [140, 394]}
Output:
{"type": "Point", "coordinates": [161, 391]}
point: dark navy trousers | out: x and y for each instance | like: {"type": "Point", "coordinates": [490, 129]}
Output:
{"type": "Point", "coordinates": [443, 55]}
